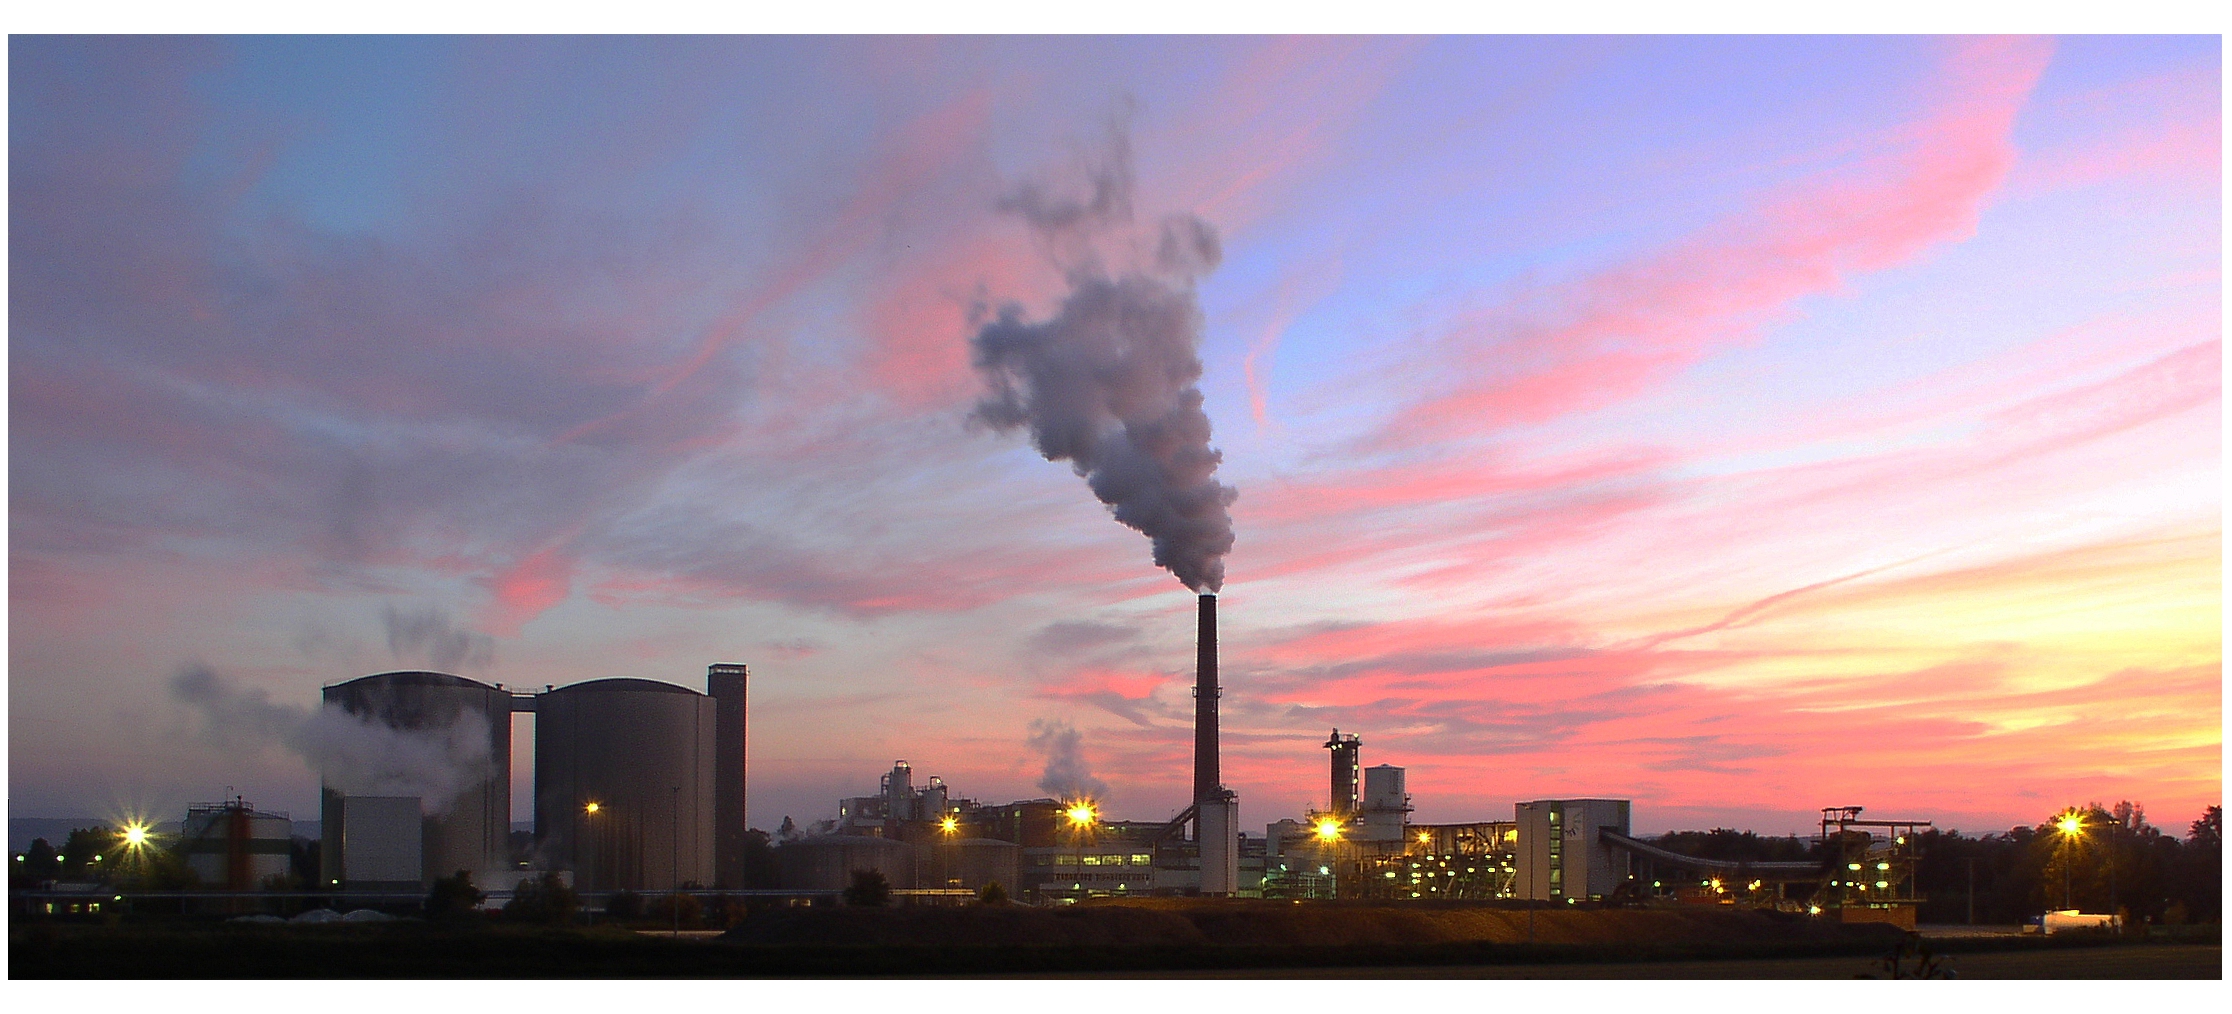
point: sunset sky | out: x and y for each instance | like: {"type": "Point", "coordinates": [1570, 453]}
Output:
{"type": "Point", "coordinates": [1737, 426]}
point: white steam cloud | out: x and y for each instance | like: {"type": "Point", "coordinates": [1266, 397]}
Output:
{"type": "Point", "coordinates": [430, 635]}
{"type": "Point", "coordinates": [1066, 776]}
{"type": "Point", "coordinates": [354, 754]}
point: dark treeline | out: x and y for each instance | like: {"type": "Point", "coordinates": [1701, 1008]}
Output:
{"type": "Point", "coordinates": [2112, 859]}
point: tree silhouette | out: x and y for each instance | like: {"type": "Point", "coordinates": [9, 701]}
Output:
{"type": "Point", "coordinates": [544, 899]}
{"type": "Point", "coordinates": [869, 889]}
{"type": "Point", "coordinates": [453, 897]}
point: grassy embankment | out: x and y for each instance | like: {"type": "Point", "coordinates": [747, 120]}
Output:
{"type": "Point", "coordinates": [1172, 936]}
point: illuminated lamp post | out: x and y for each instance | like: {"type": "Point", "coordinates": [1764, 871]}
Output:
{"type": "Point", "coordinates": [1328, 831]}
{"type": "Point", "coordinates": [133, 836]}
{"type": "Point", "coordinates": [2072, 827]}
{"type": "Point", "coordinates": [947, 826]}
{"type": "Point", "coordinates": [590, 810]}
{"type": "Point", "coordinates": [1081, 818]}
{"type": "Point", "coordinates": [674, 857]}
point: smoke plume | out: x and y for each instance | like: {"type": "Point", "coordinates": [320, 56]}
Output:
{"type": "Point", "coordinates": [1109, 383]}
{"type": "Point", "coordinates": [354, 754]}
{"type": "Point", "coordinates": [1066, 775]}
{"type": "Point", "coordinates": [428, 634]}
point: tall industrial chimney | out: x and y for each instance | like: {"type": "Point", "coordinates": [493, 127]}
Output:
{"type": "Point", "coordinates": [1207, 780]}
{"type": "Point", "coordinates": [1343, 799]}
{"type": "Point", "coordinates": [727, 682]}
{"type": "Point", "coordinates": [1216, 808]}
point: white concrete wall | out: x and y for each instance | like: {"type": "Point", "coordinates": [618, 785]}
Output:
{"type": "Point", "coordinates": [1220, 847]}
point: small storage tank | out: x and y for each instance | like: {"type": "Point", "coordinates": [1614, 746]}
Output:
{"type": "Point", "coordinates": [624, 780]}
{"type": "Point", "coordinates": [930, 801]}
{"type": "Point", "coordinates": [235, 847]}
{"type": "Point", "coordinates": [452, 717]}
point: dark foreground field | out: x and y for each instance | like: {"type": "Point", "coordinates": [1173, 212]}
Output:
{"type": "Point", "coordinates": [2158, 961]}
{"type": "Point", "coordinates": [1159, 938]}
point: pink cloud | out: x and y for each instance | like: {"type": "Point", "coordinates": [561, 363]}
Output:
{"type": "Point", "coordinates": [527, 589]}
{"type": "Point", "coordinates": [2162, 128]}
{"type": "Point", "coordinates": [1294, 295]}
{"type": "Point", "coordinates": [1544, 700]}
{"type": "Point", "coordinates": [1584, 344]}
{"type": "Point", "coordinates": [919, 323]}
{"type": "Point", "coordinates": [1276, 115]}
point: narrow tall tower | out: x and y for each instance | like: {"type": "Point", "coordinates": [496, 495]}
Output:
{"type": "Point", "coordinates": [1207, 779]}
{"type": "Point", "coordinates": [725, 682]}
{"type": "Point", "coordinates": [1216, 808]}
{"type": "Point", "coordinates": [1343, 797]}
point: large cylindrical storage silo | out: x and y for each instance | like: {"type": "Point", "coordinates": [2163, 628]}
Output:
{"type": "Point", "coordinates": [624, 777]}
{"type": "Point", "coordinates": [464, 790]}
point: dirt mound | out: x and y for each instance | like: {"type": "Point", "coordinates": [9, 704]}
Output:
{"type": "Point", "coordinates": [1194, 922]}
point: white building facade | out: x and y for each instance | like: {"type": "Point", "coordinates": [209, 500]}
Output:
{"type": "Point", "coordinates": [1561, 854]}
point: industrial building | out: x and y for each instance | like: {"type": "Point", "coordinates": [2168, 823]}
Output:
{"type": "Point", "coordinates": [925, 838]}
{"type": "Point", "coordinates": [1563, 856]}
{"type": "Point", "coordinates": [639, 784]}
{"type": "Point", "coordinates": [1363, 845]}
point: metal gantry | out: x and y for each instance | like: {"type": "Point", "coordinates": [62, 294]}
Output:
{"type": "Point", "coordinates": [1869, 866]}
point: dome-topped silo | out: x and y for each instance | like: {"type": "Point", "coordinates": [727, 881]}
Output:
{"type": "Point", "coordinates": [442, 741]}
{"type": "Point", "coordinates": [624, 784]}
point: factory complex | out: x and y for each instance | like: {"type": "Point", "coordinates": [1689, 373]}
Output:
{"type": "Point", "coordinates": [640, 786]}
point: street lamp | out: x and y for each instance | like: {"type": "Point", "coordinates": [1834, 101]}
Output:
{"type": "Point", "coordinates": [1081, 818]}
{"type": "Point", "coordinates": [2072, 826]}
{"type": "Point", "coordinates": [589, 809]}
{"type": "Point", "coordinates": [1328, 832]}
{"type": "Point", "coordinates": [948, 825]}
{"type": "Point", "coordinates": [674, 857]}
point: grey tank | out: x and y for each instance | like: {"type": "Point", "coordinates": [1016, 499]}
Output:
{"type": "Point", "coordinates": [643, 752]}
